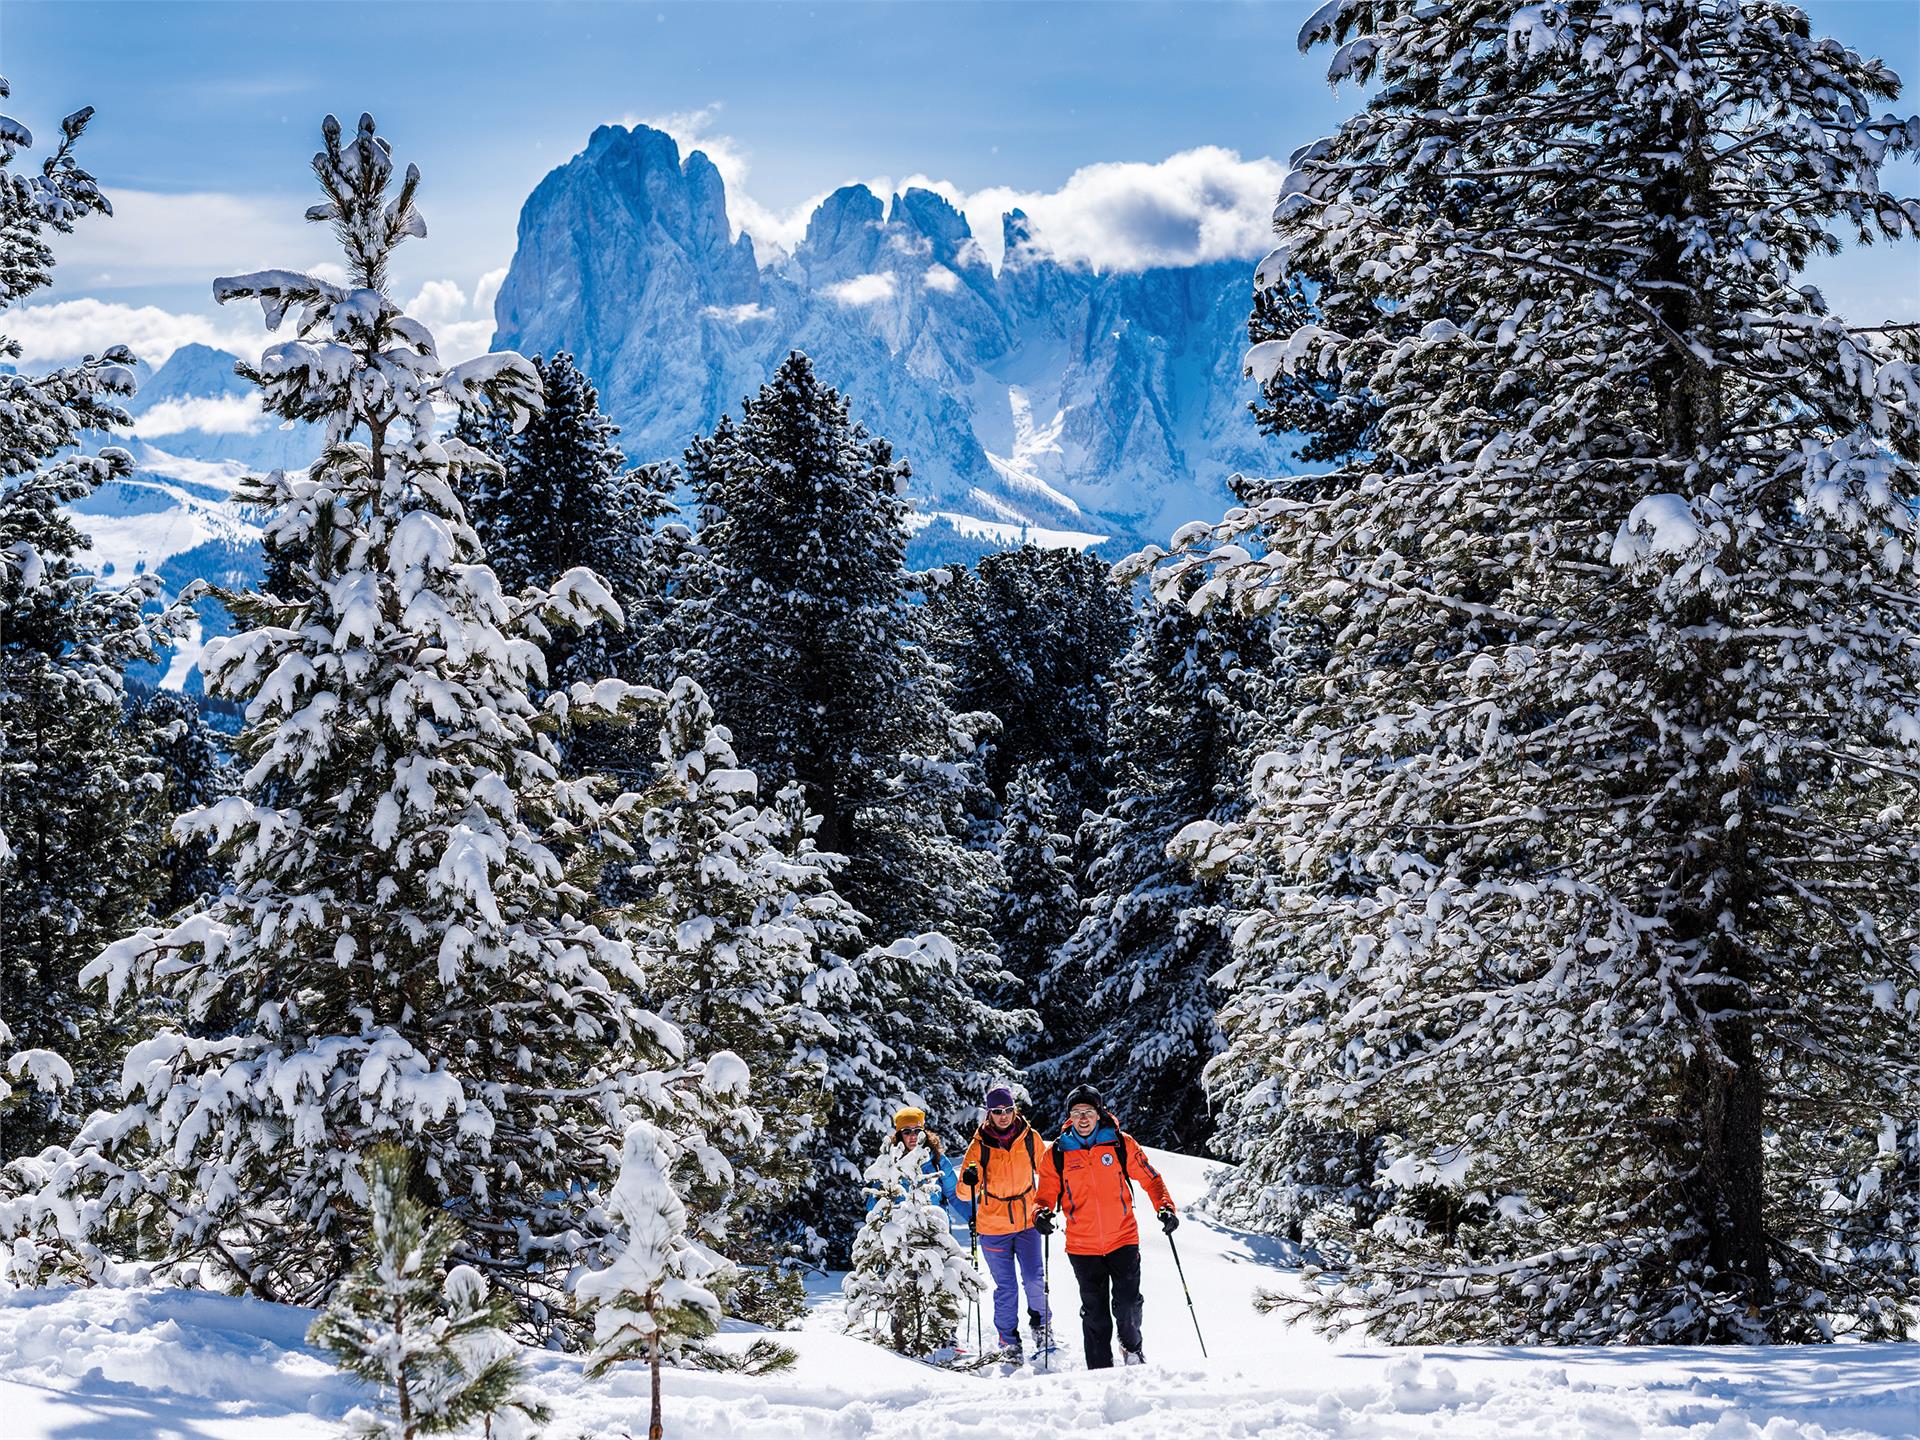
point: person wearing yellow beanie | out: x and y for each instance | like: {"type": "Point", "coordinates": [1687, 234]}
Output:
{"type": "Point", "coordinates": [909, 1132]}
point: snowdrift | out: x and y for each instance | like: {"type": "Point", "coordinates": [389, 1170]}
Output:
{"type": "Point", "coordinates": [178, 1365]}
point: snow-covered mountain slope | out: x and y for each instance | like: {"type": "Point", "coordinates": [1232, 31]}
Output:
{"type": "Point", "coordinates": [197, 428]}
{"type": "Point", "coordinates": [1039, 394]}
{"type": "Point", "coordinates": [135, 1364]}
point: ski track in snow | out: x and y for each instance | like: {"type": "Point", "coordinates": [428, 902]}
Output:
{"type": "Point", "coordinates": [177, 1365]}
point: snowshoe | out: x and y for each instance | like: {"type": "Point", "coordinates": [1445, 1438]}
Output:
{"type": "Point", "coordinates": [1133, 1357]}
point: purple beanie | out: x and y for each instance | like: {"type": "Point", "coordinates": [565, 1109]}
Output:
{"type": "Point", "coordinates": [999, 1095]}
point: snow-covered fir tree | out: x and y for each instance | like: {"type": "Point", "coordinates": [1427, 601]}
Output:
{"type": "Point", "coordinates": [399, 952]}
{"type": "Point", "coordinates": [653, 1301]}
{"type": "Point", "coordinates": [80, 811]}
{"type": "Point", "coordinates": [732, 948]}
{"type": "Point", "coordinates": [1031, 636]}
{"type": "Point", "coordinates": [1040, 896]}
{"type": "Point", "coordinates": [1129, 999]}
{"type": "Point", "coordinates": [428, 1334]}
{"type": "Point", "coordinates": [910, 1281]}
{"type": "Point", "coordinates": [803, 627]}
{"type": "Point", "coordinates": [565, 497]}
{"type": "Point", "coordinates": [194, 771]}
{"type": "Point", "coordinates": [1589, 872]}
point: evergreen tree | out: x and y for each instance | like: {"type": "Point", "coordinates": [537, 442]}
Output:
{"type": "Point", "coordinates": [732, 941]}
{"type": "Point", "coordinates": [652, 1301]}
{"type": "Point", "coordinates": [427, 1334]}
{"type": "Point", "coordinates": [79, 799]}
{"type": "Point", "coordinates": [804, 632]}
{"type": "Point", "coordinates": [1041, 900]}
{"type": "Point", "coordinates": [1129, 999]}
{"type": "Point", "coordinates": [564, 497]}
{"type": "Point", "coordinates": [1031, 636]}
{"type": "Point", "coordinates": [1590, 877]}
{"type": "Point", "coordinates": [911, 1281]}
{"type": "Point", "coordinates": [399, 950]}
{"type": "Point", "coordinates": [193, 772]}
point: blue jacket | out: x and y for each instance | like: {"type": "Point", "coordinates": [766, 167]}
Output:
{"type": "Point", "coordinates": [960, 1210]}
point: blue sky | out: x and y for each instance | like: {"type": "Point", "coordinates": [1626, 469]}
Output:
{"type": "Point", "coordinates": [1105, 121]}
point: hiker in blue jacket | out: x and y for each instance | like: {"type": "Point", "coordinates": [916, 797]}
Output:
{"type": "Point", "coordinates": [910, 1132]}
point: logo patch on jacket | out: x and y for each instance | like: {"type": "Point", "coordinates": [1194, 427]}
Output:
{"type": "Point", "coordinates": [1107, 1159]}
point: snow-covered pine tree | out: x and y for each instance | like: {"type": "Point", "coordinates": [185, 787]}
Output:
{"type": "Point", "coordinates": [731, 946]}
{"type": "Point", "coordinates": [652, 1300]}
{"type": "Point", "coordinates": [1591, 868]}
{"type": "Point", "coordinates": [194, 772]}
{"type": "Point", "coordinates": [399, 952]}
{"type": "Point", "coordinates": [1129, 1000]}
{"type": "Point", "coordinates": [427, 1334]}
{"type": "Point", "coordinates": [1040, 896]}
{"type": "Point", "coordinates": [79, 804]}
{"type": "Point", "coordinates": [910, 1281]}
{"type": "Point", "coordinates": [565, 497]}
{"type": "Point", "coordinates": [1030, 636]}
{"type": "Point", "coordinates": [803, 630]}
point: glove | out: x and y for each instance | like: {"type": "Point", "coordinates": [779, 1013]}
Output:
{"type": "Point", "coordinates": [970, 1176]}
{"type": "Point", "coordinates": [1043, 1221]}
{"type": "Point", "coordinates": [1169, 1221]}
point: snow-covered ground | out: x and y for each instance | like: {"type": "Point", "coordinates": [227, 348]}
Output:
{"type": "Point", "coordinates": [170, 1365]}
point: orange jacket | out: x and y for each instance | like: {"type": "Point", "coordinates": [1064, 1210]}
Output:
{"type": "Point", "coordinates": [1087, 1181]}
{"type": "Point", "coordinates": [1010, 1172]}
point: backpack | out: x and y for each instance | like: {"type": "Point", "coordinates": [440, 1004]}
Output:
{"type": "Point", "coordinates": [1033, 1164]}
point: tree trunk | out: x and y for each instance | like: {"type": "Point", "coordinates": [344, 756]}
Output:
{"type": "Point", "coordinates": [655, 1429]}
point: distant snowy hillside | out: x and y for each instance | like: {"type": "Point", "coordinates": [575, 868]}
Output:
{"type": "Point", "coordinates": [1038, 395]}
{"type": "Point", "coordinates": [197, 428]}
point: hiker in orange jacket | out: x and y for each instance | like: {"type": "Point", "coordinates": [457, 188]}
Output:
{"type": "Point", "coordinates": [1090, 1178]}
{"type": "Point", "coordinates": [1000, 1174]}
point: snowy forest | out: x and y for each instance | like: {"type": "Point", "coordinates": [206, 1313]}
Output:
{"type": "Point", "coordinates": [1494, 851]}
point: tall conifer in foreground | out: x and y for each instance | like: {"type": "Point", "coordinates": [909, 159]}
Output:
{"type": "Point", "coordinates": [1589, 864]}
{"type": "Point", "coordinates": [79, 798]}
{"type": "Point", "coordinates": [401, 953]}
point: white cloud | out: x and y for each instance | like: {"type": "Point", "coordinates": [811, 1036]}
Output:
{"type": "Point", "coordinates": [462, 326]}
{"type": "Point", "coordinates": [214, 414]}
{"type": "Point", "coordinates": [863, 289]}
{"type": "Point", "coordinates": [67, 329]}
{"type": "Point", "coordinates": [939, 277]}
{"type": "Point", "coordinates": [1203, 204]}
{"type": "Point", "coordinates": [738, 314]}
{"type": "Point", "coordinates": [1199, 205]}
{"type": "Point", "coordinates": [158, 239]}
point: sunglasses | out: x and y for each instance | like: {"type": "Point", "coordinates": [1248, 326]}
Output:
{"type": "Point", "coordinates": [1000, 1110]}
{"type": "Point", "coordinates": [911, 1129]}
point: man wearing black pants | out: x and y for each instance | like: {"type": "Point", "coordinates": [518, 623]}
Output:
{"type": "Point", "coordinates": [1095, 1166]}
{"type": "Point", "coordinates": [1110, 1296]}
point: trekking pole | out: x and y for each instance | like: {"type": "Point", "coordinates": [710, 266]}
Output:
{"type": "Point", "coordinates": [973, 1259]}
{"type": "Point", "coordinates": [1189, 1294]}
{"type": "Point", "coordinates": [1046, 1298]}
